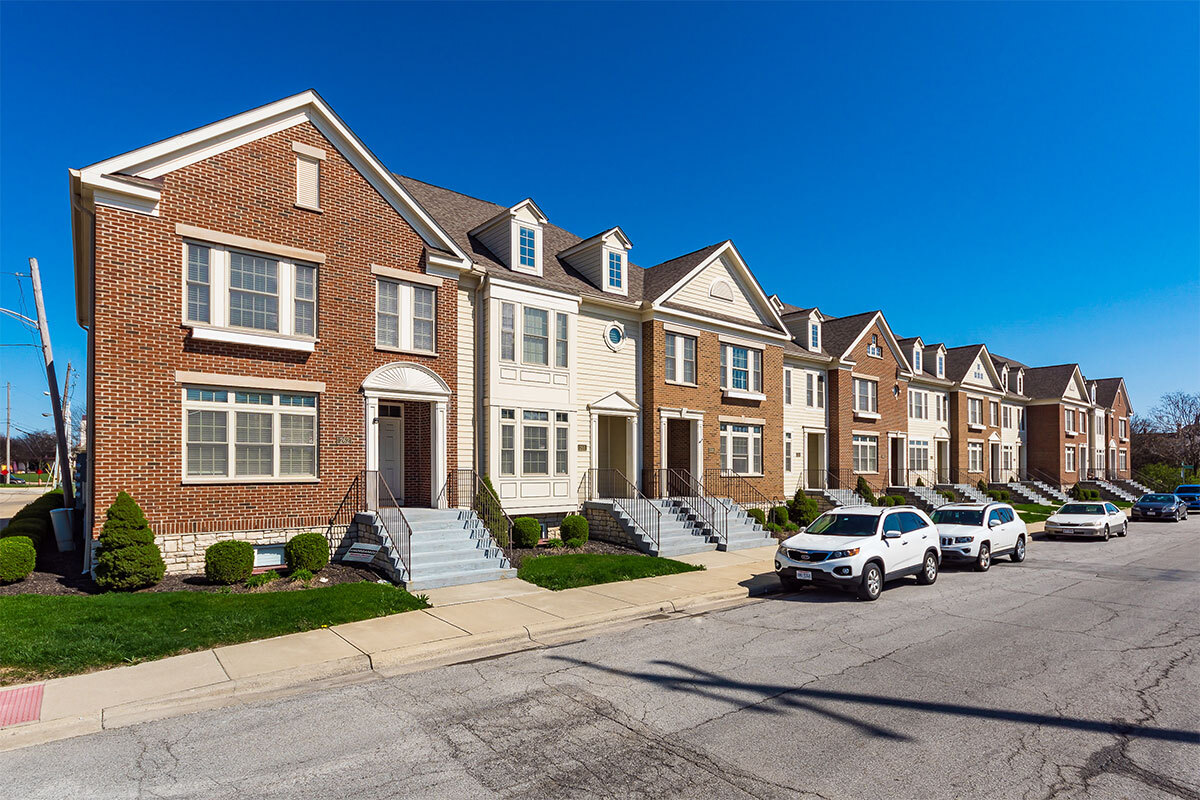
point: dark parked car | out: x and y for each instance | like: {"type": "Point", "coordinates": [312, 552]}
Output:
{"type": "Point", "coordinates": [1159, 506]}
{"type": "Point", "coordinates": [1189, 494]}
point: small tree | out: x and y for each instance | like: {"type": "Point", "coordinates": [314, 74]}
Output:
{"type": "Point", "coordinates": [864, 490]}
{"type": "Point", "coordinates": [128, 559]}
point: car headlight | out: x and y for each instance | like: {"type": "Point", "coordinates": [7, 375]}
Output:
{"type": "Point", "coordinates": [843, 553]}
{"type": "Point", "coordinates": [963, 539]}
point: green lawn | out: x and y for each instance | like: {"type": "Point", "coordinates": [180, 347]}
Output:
{"type": "Point", "coordinates": [46, 636]}
{"type": "Point", "coordinates": [1030, 512]}
{"type": "Point", "coordinates": [587, 569]}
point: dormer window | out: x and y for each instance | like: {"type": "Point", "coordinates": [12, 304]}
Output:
{"type": "Point", "coordinates": [814, 337]}
{"type": "Point", "coordinates": [917, 360]}
{"type": "Point", "coordinates": [616, 270]}
{"type": "Point", "coordinates": [1020, 383]}
{"type": "Point", "coordinates": [873, 349]}
{"type": "Point", "coordinates": [528, 243]}
{"type": "Point", "coordinates": [941, 366]}
{"type": "Point", "coordinates": [1093, 392]}
{"type": "Point", "coordinates": [1004, 378]}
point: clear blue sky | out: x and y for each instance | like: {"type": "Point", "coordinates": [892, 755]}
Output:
{"type": "Point", "coordinates": [1021, 174]}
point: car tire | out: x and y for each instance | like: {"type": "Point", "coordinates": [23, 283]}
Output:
{"type": "Point", "coordinates": [1180, 516]}
{"type": "Point", "coordinates": [1107, 534]}
{"type": "Point", "coordinates": [929, 569]}
{"type": "Point", "coordinates": [1124, 529]}
{"type": "Point", "coordinates": [1018, 553]}
{"type": "Point", "coordinates": [983, 562]}
{"type": "Point", "coordinates": [871, 585]}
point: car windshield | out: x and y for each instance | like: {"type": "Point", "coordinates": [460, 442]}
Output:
{"type": "Point", "coordinates": [833, 524]}
{"type": "Point", "coordinates": [1157, 498]}
{"type": "Point", "coordinates": [957, 516]}
{"type": "Point", "coordinates": [1082, 508]}
{"type": "Point", "coordinates": [1188, 489]}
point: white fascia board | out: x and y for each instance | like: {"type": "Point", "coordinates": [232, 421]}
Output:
{"type": "Point", "coordinates": [510, 290]}
{"type": "Point", "coordinates": [599, 238]}
{"type": "Point", "coordinates": [892, 343]}
{"type": "Point", "coordinates": [668, 313]}
{"type": "Point", "coordinates": [739, 264]}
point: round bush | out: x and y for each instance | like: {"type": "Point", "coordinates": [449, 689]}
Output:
{"type": "Point", "coordinates": [120, 536]}
{"type": "Point", "coordinates": [527, 532]}
{"type": "Point", "coordinates": [574, 528]}
{"type": "Point", "coordinates": [307, 551]}
{"type": "Point", "coordinates": [17, 558]}
{"type": "Point", "coordinates": [758, 516]}
{"type": "Point", "coordinates": [228, 562]}
{"type": "Point", "coordinates": [791, 527]}
{"type": "Point", "coordinates": [127, 568]}
{"type": "Point", "coordinates": [779, 515]}
{"type": "Point", "coordinates": [804, 509]}
{"type": "Point", "coordinates": [27, 528]}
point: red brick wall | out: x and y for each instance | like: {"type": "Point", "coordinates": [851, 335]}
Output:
{"type": "Point", "coordinates": [960, 433]}
{"type": "Point", "coordinates": [1120, 408]}
{"type": "Point", "coordinates": [139, 343]}
{"type": "Point", "coordinates": [706, 396]}
{"type": "Point", "coordinates": [893, 410]}
{"type": "Point", "coordinates": [1046, 428]}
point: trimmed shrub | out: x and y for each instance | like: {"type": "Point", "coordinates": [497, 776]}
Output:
{"type": "Point", "coordinates": [898, 499]}
{"type": "Point", "coordinates": [949, 495]}
{"type": "Point", "coordinates": [27, 528]}
{"type": "Point", "coordinates": [804, 509]}
{"type": "Point", "coordinates": [920, 482]}
{"type": "Point", "coordinates": [128, 559]}
{"type": "Point", "coordinates": [983, 487]}
{"type": "Point", "coordinates": [757, 515]}
{"type": "Point", "coordinates": [790, 527]}
{"type": "Point", "coordinates": [307, 551]}
{"type": "Point", "coordinates": [574, 530]}
{"type": "Point", "coordinates": [774, 529]}
{"type": "Point", "coordinates": [17, 558]}
{"type": "Point", "coordinates": [128, 568]}
{"type": "Point", "coordinates": [1078, 492]}
{"type": "Point", "coordinates": [779, 515]}
{"type": "Point", "coordinates": [555, 543]}
{"type": "Point", "coordinates": [228, 562]}
{"type": "Point", "coordinates": [864, 490]}
{"type": "Point", "coordinates": [994, 495]}
{"type": "Point", "coordinates": [527, 532]}
{"type": "Point", "coordinates": [261, 579]}
{"type": "Point", "coordinates": [1005, 496]}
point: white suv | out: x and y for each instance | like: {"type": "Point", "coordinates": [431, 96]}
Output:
{"type": "Point", "coordinates": [860, 547]}
{"type": "Point", "coordinates": [978, 532]}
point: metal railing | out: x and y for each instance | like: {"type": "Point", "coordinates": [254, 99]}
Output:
{"type": "Point", "coordinates": [611, 484]}
{"type": "Point", "coordinates": [922, 477]}
{"type": "Point", "coordinates": [465, 488]}
{"type": "Point", "coordinates": [1035, 474]}
{"type": "Point", "coordinates": [681, 484]}
{"type": "Point", "coordinates": [731, 485]}
{"type": "Point", "coordinates": [1004, 475]}
{"type": "Point", "coordinates": [370, 492]}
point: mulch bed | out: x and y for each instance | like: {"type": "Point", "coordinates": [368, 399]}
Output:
{"type": "Point", "coordinates": [517, 554]}
{"type": "Point", "coordinates": [60, 575]}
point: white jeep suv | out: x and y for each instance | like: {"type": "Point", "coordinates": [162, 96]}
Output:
{"type": "Point", "coordinates": [978, 532]}
{"type": "Point", "coordinates": [860, 547]}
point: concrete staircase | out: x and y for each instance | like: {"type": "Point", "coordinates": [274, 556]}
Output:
{"type": "Point", "coordinates": [842, 497]}
{"type": "Point", "coordinates": [1024, 493]}
{"type": "Point", "coordinates": [743, 531]}
{"type": "Point", "coordinates": [1046, 490]}
{"type": "Point", "coordinates": [679, 529]}
{"type": "Point", "coordinates": [449, 547]}
{"type": "Point", "coordinates": [970, 492]}
{"type": "Point", "coordinates": [1132, 486]}
{"type": "Point", "coordinates": [1110, 492]}
{"type": "Point", "coordinates": [923, 497]}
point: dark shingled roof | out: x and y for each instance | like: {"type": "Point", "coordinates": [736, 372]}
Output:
{"type": "Point", "coordinates": [928, 365]}
{"type": "Point", "coordinates": [838, 333]}
{"type": "Point", "coordinates": [1044, 382]}
{"type": "Point", "coordinates": [1012, 362]}
{"type": "Point", "coordinates": [960, 359]}
{"type": "Point", "coordinates": [1106, 391]}
{"type": "Point", "coordinates": [797, 326]}
{"type": "Point", "coordinates": [662, 277]}
{"type": "Point", "coordinates": [788, 308]}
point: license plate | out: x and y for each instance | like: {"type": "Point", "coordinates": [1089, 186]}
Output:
{"type": "Point", "coordinates": [803, 575]}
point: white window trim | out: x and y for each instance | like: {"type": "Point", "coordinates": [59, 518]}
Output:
{"type": "Point", "coordinates": [756, 358]}
{"type": "Point", "coordinates": [755, 433]}
{"type": "Point", "coordinates": [853, 466]}
{"type": "Point", "coordinates": [972, 449]}
{"type": "Point", "coordinates": [406, 317]}
{"type": "Point", "coordinates": [678, 344]}
{"type": "Point", "coordinates": [865, 413]}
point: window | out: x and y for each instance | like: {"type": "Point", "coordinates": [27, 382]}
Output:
{"type": "Point", "coordinates": [787, 451]}
{"type": "Point", "coordinates": [616, 275]}
{"type": "Point", "coordinates": [873, 349]}
{"type": "Point", "coordinates": [1070, 420]}
{"type": "Point", "coordinates": [198, 283]}
{"type": "Point", "coordinates": [508, 333]}
{"type": "Point", "coordinates": [1020, 383]}
{"type": "Point", "coordinates": [787, 387]}
{"type": "Point", "coordinates": [1122, 463]}
{"type": "Point", "coordinates": [974, 457]}
{"type": "Point", "coordinates": [941, 365]}
{"type": "Point", "coordinates": [535, 457]}
{"type": "Point", "coordinates": [741, 448]}
{"type": "Point", "coordinates": [272, 435]}
{"type": "Point", "coordinates": [910, 522]}
{"type": "Point", "coordinates": [535, 342]}
{"type": "Point", "coordinates": [994, 413]}
{"type": "Point", "coordinates": [560, 341]}
{"type": "Point", "coordinates": [392, 300]}
{"type": "Point", "coordinates": [820, 391]}
{"type": "Point", "coordinates": [528, 245]}
{"type": "Point", "coordinates": [943, 407]}
{"type": "Point", "coordinates": [808, 389]}
{"type": "Point", "coordinates": [1121, 423]}
{"type": "Point", "coordinates": [614, 336]}
{"type": "Point", "coordinates": [918, 405]}
{"type": "Point", "coordinates": [918, 454]}
{"type": "Point", "coordinates": [814, 337]}
{"type": "Point", "coordinates": [1004, 378]}
{"type": "Point", "coordinates": [866, 396]}
{"type": "Point", "coordinates": [978, 371]}
{"type": "Point", "coordinates": [306, 300]}
{"type": "Point", "coordinates": [561, 434]}
{"type": "Point", "coordinates": [1069, 459]}
{"type": "Point", "coordinates": [866, 453]}
{"type": "Point", "coordinates": [917, 360]}
{"type": "Point", "coordinates": [508, 437]}
{"type": "Point", "coordinates": [308, 182]}
{"type": "Point", "coordinates": [253, 292]}
{"type": "Point", "coordinates": [741, 368]}
{"type": "Point", "coordinates": [1007, 457]}
{"type": "Point", "coordinates": [680, 358]}
{"type": "Point", "coordinates": [974, 411]}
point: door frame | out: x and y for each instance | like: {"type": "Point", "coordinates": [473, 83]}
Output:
{"type": "Point", "coordinates": [398, 491]}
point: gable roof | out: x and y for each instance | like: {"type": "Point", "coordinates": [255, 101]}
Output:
{"type": "Point", "coordinates": [661, 277]}
{"type": "Point", "coordinates": [960, 359]}
{"type": "Point", "coordinates": [1049, 382]}
{"type": "Point", "coordinates": [1106, 391]}
{"type": "Point", "coordinates": [840, 333]}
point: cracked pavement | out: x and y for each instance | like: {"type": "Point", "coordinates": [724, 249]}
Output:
{"type": "Point", "coordinates": [1073, 675]}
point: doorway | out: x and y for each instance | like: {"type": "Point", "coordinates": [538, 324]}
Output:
{"type": "Point", "coordinates": [997, 474]}
{"type": "Point", "coordinates": [943, 462]}
{"type": "Point", "coordinates": [814, 461]}
{"type": "Point", "coordinates": [391, 451]}
{"type": "Point", "coordinates": [896, 461]}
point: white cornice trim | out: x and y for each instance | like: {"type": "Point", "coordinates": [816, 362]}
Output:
{"type": "Point", "coordinates": [247, 382]}
{"type": "Point", "coordinates": [666, 313]}
{"type": "Point", "coordinates": [407, 276]}
{"type": "Point", "coordinates": [246, 243]}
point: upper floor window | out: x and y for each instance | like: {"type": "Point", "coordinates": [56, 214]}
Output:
{"type": "Point", "coordinates": [680, 358]}
{"type": "Point", "coordinates": [1121, 426]}
{"type": "Point", "coordinates": [866, 396]}
{"type": "Point", "coordinates": [1020, 419]}
{"type": "Point", "coordinates": [560, 340]}
{"type": "Point", "coordinates": [814, 337]}
{"type": "Point", "coordinates": [741, 368]}
{"type": "Point", "coordinates": [917, 360]}
{"type": "Point", "coordinates": [528, 246]}
{"type": "Point", "coordinates": [616, 271]}
{"type": "Point", "coordinates": [974, 411]}
{"type": "Point", "coordinates": [235, 289]}
{"type": "Point", "coordinates": [918, 405]}
{"type": "Point", "coordinates": [1069, 416]}
{"type": "Point", "coordinates": [814, 390]}
{"type": "Point", "coordinates": [404, 316]}
{"type": "Point", "coordinates": [787, 388]}
{"type": "Point", "coordinates": [993, 414]}
{"type": "Point", "coordinates": [1004, 378]}
{"type": "Point", "coordinates": [508, 332]}
{"type": "Point", "coordinates": [978, 373]}
{"type": "Point", "coordinates": [873, 349]}
{"type": "Point", "coordinates": [308, 175]}
{"type": "Point", "coordinates": [535, 339]}
{"type": "Point", "coordinates": [941, 365]}
{"type": "Point", "coordinates": [1007, 415]}
{"type": "Point", "coordinates": [1020, 383]}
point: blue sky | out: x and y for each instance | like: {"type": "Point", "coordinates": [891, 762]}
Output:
{"type": "Point", "coordinates": [1021, 174]}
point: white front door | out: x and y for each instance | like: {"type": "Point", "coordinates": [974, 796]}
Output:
{"type": "Point", "coordinates": [391, 456]}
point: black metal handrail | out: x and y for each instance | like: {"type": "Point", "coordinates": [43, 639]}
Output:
{"type": "Point", "coordinates": [354, 501]}
{"type": "Point", "coordinates": [681, 485]}
{"type": "Point", "coordinates": [728, 484]}
{"type": "Point", "coordinates": [1035, 474]}
{"type": "Point", "coordinates": [396, 530]}
{"type": "Point", "coordinates": [927, 478]}
{"type": "Point", "coordinates": [611, 484]}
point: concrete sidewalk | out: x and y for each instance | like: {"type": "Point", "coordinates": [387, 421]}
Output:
{"type": "Point", "coordinates": [464, 624]}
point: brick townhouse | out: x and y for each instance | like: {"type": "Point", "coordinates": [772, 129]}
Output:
{"type": "Point", "coordinates": [274, 319]}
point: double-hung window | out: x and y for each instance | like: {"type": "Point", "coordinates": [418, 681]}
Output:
{"type": "Point", "coordinates": [560, 340]}
{"type": "Point", "coordinates": [918, 454]}
{"type": "Point", "coordinates": [616, 270]}
{"type": "Point", "coordinates": [820, 391]}
{"type": "Point", "coordinates": [741, 368]}
{"type": "Point", "coordinates": [405, 316]}
{"type": "Point", "coordinates": [1122, 463]}
{"type": "Point", "coordinates": [916, 360]}
{"type": "Point", "coordinates": [1070, 420]}
{"type": "Point", "coordinates": [535, 435]}
{"type": "Point", "coordinates": [1007, 415]}
{"type": "Point", "coordinates": [974, 457]}
{"type": "Point", "coordinates": [679, 354]}
{"type": "Point", "coordinates": [741, 448]}
{"type": "Point", "coordinates": [814, 337]}
{"type": "Point", "coordinates": [561, 443]}
{"type": "Point", "coordinates": [508, 332]}
{"type": "Point", "coordinates": [866, 396]}
{"type": "Point", "coordinates": [271, 435]}
{"type": "Point", "coordinates": [865, 453]}
{"type": "Point", "coordinates": [508, 441]}
{"type": "Point", "coordinates": [787, 451]}
{"type": "Point", "coordinates": [787, 387]}
{"type": "Point", "coordinates": [994, 413]}
{"type": "Point", "coordinates": [1069, 458]}
{"type": "Point", "coordinates": [974, 411]}
{"type": "Point", "coordinates": [941, 365]}
{"type": "Point", "coordinates": [1121, 424]}
{"type": "Point", "coordinates": [234, 289]}
{"type": "Point", "coordinates": [535, 341]}
{"type": "Point", "coordinates": [918, 405]}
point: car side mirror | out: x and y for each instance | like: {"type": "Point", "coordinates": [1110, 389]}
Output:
{"type": "Point", "coordinates": [993, 523]}
{"type": "Point", "coordinates": [891, 534]}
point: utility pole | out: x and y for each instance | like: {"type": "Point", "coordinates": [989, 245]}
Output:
{"type": "Point", "coordinates": [51, 378]}
{"type": "Point", "coordinates": [8, 433]}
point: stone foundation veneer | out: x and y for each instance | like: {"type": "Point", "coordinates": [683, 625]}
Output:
{"type": "Point", "coordinates": [184, 552]}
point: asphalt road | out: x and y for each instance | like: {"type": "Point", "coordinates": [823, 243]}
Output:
{"type": "Point", "coordinates": [1071, 675]}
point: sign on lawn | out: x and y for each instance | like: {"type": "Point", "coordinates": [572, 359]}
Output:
{"type": "Point", "coordinates": [364, 553]}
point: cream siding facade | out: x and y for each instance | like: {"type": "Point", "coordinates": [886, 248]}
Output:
{"type": "Point", "coordinates": [807, 425]}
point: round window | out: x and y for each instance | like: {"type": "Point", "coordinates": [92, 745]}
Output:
{"type": "Point", "coordinates": [614, 336]}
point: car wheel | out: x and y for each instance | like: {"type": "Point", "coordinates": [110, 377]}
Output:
{"type": "Point", "coordinates": [871, 584]}
{"type": "Point", "coordinates": [929, 570]}
{"type": "Point", "coordinates": [1018, 553]}
{"type": "Point", "coordinates": [1107, 534]}
{"type": "Point", "coordinates": [983, 561]}
{"type": "Point", "coordinates": [1180, 516]}
{"type": "Point", "coordinates": [1124, 529]}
